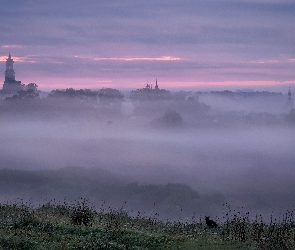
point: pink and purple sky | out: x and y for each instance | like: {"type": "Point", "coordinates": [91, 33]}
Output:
{"type": "Point", "coordinates": [123, 44]}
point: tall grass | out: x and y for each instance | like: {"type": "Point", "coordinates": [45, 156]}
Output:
{"type": "Point", "coordinates": [55, 225]}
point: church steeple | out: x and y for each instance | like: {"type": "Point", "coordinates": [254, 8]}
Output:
{"type": "Point", "coordinates": [10, 85]}
{"type": "Point", "coordinates": [9, 72]}
{"type": "Point", "coordinates": [156, 87]}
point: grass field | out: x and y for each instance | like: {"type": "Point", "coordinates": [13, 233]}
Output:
{"type": "Point", "coordinates": [79, 226]}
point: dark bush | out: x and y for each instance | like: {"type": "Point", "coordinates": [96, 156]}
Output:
{"type": "Point", "coordinates": [171, 119]}
{"type": "Point", "coordinates": [82, 213]}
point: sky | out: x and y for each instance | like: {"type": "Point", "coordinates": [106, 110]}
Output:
{"type": "Point", "coordinates": [127, 43]}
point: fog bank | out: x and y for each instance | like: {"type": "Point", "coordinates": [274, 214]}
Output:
{"type": "Point", "coordinates": [178, 157]}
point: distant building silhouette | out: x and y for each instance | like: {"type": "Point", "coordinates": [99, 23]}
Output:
{"type": "Point", "coordinates": [157, 87]}
{"type": "Point", "coordinates": [289, 94]}
{"type": "Point", "coordinates": [148, 93]}
{"type": "Point", "coordinates": [10, 85]}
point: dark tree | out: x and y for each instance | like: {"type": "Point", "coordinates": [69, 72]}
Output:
{"type": "Point", "coordinates": [171, 119]}
{"type": "Point", "coordinates": [29, 91]}
{"type": "Point", "coordinates": [109, 93]}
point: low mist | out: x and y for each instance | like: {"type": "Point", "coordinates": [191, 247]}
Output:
{"type": "Point", "coordinates": [179, 157]}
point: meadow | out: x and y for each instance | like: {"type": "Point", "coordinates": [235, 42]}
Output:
{"type": "Point", "coordinates": [56, 225]}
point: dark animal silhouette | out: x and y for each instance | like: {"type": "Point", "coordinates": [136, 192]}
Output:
{"type": "Point", "coordinates": [210, 223]}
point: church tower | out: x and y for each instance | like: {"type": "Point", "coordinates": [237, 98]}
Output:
{"type": "Point", "coordinates": [9, 72]}
{"type": "Point", "coordinates": [10, 85]}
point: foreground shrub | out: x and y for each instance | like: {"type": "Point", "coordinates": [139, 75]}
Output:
{"type": "Point", "coordinates": [82, 213]}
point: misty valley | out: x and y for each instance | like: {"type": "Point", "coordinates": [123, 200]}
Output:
{"type": "Point", "coordinates": [178, 154]}
{"type": "Point", "coordinates": [147, 125]}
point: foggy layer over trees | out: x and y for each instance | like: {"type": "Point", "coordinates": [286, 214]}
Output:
{"type": "Point", "coordinates": [175, 153]}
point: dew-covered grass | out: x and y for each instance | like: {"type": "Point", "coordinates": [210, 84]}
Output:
{"type": "Point", "coordinates": [79, 226]}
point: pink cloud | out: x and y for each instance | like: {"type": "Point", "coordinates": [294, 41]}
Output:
{"type": "Point", "coordinates": [50, 83]}
{"type": "Point", "coordinates": [12, 46]}
{"type": "Point", "coordinates": [3, 58]}
{"type": "Point", "coordinates": [163, 58]}
{"type": "Point", "coordinates": [223, 83]}
{"type": "Point", "coordinates": [272, 61]}
{"type": "Point", "coordinates": [20, 59]}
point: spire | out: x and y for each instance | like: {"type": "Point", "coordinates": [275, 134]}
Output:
{"type": "Point", "coordinates": [156, 87]}
{"type": "Point", "coordinates": [9, 73]}
{"type": "Point", "coordinates": [289, 94]}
